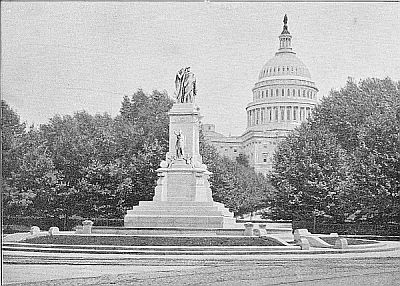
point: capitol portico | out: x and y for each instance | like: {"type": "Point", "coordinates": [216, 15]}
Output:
{"type": "Point", "coordinates": [283, 97]}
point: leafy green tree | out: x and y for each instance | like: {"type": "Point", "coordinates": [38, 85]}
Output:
{"type": "Point", "coordinates": [311, 175]}
{"type": "Point", "coordinates": [86, 165]}
{"type": "Point", "coordinates": [142, 132]}
{"type": "Point", "coordinates": [352, 145]}
{"type": "Point", "coordinates": [345, 112]}
{"type": "Point", "coordinates": [15, 200]}
{"type": "Point", "coordinates": [376, 167]}
{"type": "Point", "coordinates": [11, 132]}
{"type": "Point", "coordinates": [148, 115]}
{"type": "Point", "coordinates": [98, 166]}
{"type": "Point", "coordinates": [242, 159]}
{"type": "Point", "coordinates": [73, 143]}
{"type": "Point", "coordinates": [235, 184]}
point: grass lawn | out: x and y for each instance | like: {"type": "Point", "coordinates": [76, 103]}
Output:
{"type": "Point", "coordinates": [154, 240]}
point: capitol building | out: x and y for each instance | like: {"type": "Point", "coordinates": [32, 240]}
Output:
{"type": "Point", "coordinates": [283, 97]}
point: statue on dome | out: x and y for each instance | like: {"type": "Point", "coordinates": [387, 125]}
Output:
{"type": "Point", "coordinates": [185, 84]}
{"type": "Point", "coordinates": [285, 27]}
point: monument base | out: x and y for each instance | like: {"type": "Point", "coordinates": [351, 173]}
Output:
{"type": "Point", "coordinates": [181, 214]}
{"type": "Point", "coordinates": [168, 231]}
{"type": "Point", "coordinates": [182, 199]}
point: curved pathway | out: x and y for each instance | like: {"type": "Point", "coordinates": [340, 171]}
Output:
{"type": "Point", "coordinates": [302, 268]}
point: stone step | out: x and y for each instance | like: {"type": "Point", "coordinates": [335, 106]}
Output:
{"type": "Point", "coordinates": [199, 251]}
{"type": "Point", "coordinates": [177, 221]}
{"type": "Point", "coordinates": [111, 248]}
{"type": "Point", "coordinates": [178, 208]}
{"type": "Point", "coordinates": [233, 229]}
{"type": "Point", "coordinates": [173, 207]}
{"type": "Point", "coordinates": [174, 212]}
{"type": "Point", "coordinates": [183, 210]}
{"type": "Point", "coordinates": [178, 203]}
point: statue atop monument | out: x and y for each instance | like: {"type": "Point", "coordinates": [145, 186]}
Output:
{"type": "Point", "coordinates": [185, 84]}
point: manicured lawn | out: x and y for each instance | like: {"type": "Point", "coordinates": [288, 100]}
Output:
{"type": "Point", "coordinates": [154, 240]}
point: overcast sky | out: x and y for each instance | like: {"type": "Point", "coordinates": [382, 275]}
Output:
{"type": "Point", "coordinates": [62, 57]}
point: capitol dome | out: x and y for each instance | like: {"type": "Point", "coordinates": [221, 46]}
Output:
{"type": "Point", "coordinates": [284, 94]}
{"type": "Point", "coordinates": [284, 64]}
{"type": "Point", "coordinates": [283, 97]}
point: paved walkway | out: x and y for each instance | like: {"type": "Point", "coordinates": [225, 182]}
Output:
{"type": "Point", "coordinates": [375, 268]}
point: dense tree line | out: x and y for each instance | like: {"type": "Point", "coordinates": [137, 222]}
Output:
{"type": "Point", "coordinates": [99, 166]}
{"type": "Point", "coordinates": [345, 161]}
{"type": "Point", "coordinates": [234, 182]}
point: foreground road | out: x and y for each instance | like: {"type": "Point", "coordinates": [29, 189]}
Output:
{"type": "Point", "coordinates": [368, 269]}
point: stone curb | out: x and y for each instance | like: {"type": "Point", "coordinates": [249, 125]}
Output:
{"type": "Point", "coordinates": [12, 249]}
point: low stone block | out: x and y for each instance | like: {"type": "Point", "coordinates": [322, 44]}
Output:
{"type": "Point", "coordinates": [334, 234]}
{"type": "Point", "coordinates": [164, 164]}
{"type": "Point", "coordinates": [261, 231]}
{"type": "Point", "coordinates": [248, 229]}
{"type": "Point", "coordinates": [316, 241]}
{"type": "Point", "coordinates": [79, 229]}
{"type": "Point", "coordinates": [87, 226]}
{"type": "Point", "coordinates": [54, 230]}
{"type": "Point", "coordinates": [15, 237]}
{"type": "Point", "coordinates": [298, 233]}
{"type": "Point", "coordinates": [87, 222]}
{"type": "Point", "coordinates": [341, 243]}
{"type": "Point", "coordinates": [304, 243]}
{"type": "Point", "coordinates": [34, 230]}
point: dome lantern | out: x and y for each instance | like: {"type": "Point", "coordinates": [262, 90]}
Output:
{"type": "Point", "coordinates": [285, 62]}
{"type": "Point", "coordinates": [285, 39]}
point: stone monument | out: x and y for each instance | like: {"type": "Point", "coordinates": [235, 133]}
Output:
{"type": "Point", "coordinates": [183, 197]}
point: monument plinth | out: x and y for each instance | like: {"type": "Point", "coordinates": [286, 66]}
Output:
{"type": "Point", "coordinates": [183, 197]}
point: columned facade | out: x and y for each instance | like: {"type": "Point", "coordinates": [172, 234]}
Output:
{"type": "Point", "coordinates": [283, 97]}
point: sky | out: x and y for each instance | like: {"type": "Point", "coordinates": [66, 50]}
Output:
{"type": "Point", "coordinates": [63, 57]}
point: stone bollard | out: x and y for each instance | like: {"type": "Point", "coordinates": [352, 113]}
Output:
{"type": "Point", "coordinates": [304, 244]}
{"type": "Point", "coordinates": [341, 243]}
{"type": "Point", "coordinates": [54, 230]}
{"type": "Point", "coordinates": [249, 229]}
{"type": "Point", "coordinates": [34, 230]}
{"type": "Point", "coordinates": [298, 233]}
{"type": "Point", "coordinates": [262, 229]}
{"type": "Point", "coordinates": [87, 226]}
{"type": "Point", "coordinates": [79, 229]}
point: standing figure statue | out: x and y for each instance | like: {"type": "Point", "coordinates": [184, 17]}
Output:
{"type": "Point", "coordinates": [185, 84]}
{"type": "Point", "coordinates": [179, 144]}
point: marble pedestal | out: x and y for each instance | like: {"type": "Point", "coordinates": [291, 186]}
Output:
{"type": "Point", "coordinates": [183, 197]}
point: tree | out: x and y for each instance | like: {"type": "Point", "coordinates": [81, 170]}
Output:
{"type": "Point", "coordinates": [14, 200]}
{"type": "Point", "coordinates": [311, 175]}
{"type": "Point", "coordinates": [98, 166]}
{"type": "Point", "coordinates": [142, 132]}
{"type": "Point", "coordinates": [235, 184]}
{"type": "Point", "coordinates": [86, 165]}
{"type": "Point", "coordinates": [11, 131]}
{"type": "Point", "coordinates": [376, 165]}
{"type": "Point", "coordinates": [243, 160]}
{"type": "Point", "coordinates": [353, 145]}
{"type": "Point", "coordinates": [73, 143]}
